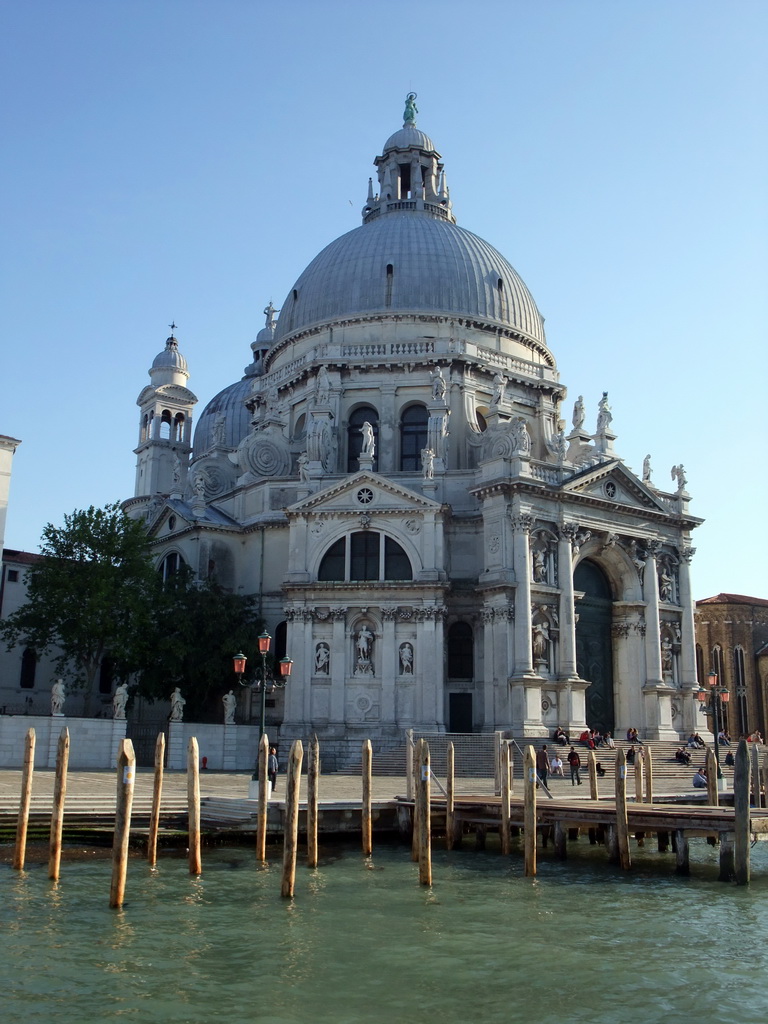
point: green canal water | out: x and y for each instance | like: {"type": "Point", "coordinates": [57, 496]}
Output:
{"type": "Point", "coordinates": [363, 942]}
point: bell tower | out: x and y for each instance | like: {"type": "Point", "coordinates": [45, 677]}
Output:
{"type": "Point", "coordinates": [165, 425]}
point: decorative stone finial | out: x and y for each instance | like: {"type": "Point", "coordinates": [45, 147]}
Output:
{"type": "Point", "coordinates": [411, 110]}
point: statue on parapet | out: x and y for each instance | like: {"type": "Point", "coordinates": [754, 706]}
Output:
{"type": "Point", "coordinates": [58, 696]}
{"type": "Point", "coordinates": [119, 701]}
{"type": "Point", "coordinates": [177, 706]}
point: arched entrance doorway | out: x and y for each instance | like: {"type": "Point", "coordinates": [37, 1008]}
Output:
{"type": "Point", "coordinates": [594, 655]}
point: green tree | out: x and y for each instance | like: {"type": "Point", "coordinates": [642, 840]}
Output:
{"type": "Point", "coordinates": [91, 595]}
{"type": "Point", "coordinates": [197, 628]}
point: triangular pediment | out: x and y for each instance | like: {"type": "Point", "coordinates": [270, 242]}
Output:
{"type": "Point", "coordinates": [365, 492]}
{"type": "Point", "coordinates": [186, 518]}
{"type": "Point", "coordinates": [613, 482]}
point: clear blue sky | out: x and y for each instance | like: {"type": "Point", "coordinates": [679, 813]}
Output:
{"type": "Point", "coordinates": [173, 159]}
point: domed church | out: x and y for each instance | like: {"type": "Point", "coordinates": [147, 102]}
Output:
{"type": "Point", "coordinates": [435, 541]}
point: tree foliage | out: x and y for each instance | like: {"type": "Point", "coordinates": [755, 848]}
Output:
{"type": "Point", "coordinates": [90, 595]}
{"type": "Point", "coordinates": [197, 629]}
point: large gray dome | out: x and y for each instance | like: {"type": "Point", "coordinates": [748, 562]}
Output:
{"type": "Point", "coordinates": [410, 263]}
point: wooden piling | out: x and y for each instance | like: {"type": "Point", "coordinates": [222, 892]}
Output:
{"type": "Point", "coordinates": [529, 811]}
{"type": "Point", "coordinates": [592, 769]}
{"type": "Point", "coordinates": [741, 790]}
{"type": "Point", "coordinates": [193, 806]}
{"type": "Point", "coordinates": [157, 794]}
{"type": "Point", "coordinates": [682, 866]}
{"type": "Point", "coordinates": [755, 775]}
{"type": "Point", "coordinates": [648, 776]}
{"type": "Point", "coordinates": [505, 837]}
{"type": "Point", "coordinates": [57, 814]}
{"type": "Point", "coordinates": [367, 822]}
{"type": "Point", "coordinates": [450, 816]}
{"type": "Point", "coordinates": [622, 830]}
{"type": "Point", "coordinates": [726, 857]}
{"type": "Point", "coordinates": [409, 793]}
{"type": "Point", "coordinates": [712, 767]}
{"type": "Point", "coordinates": [764, 777]}
{"type": "Point", "coordinates": [638, 778]}
{"type": "Point", "coordinates": [126, 778]}
{"type": "Point", "coordinates": [561, 847]}
{"type": "Point", "coordinates": [262, 813]}
{"type": "Point", "coordinates": [291, 841]}
{"type": "Point", "coordinates": [313, 788]}
{"type": "Point", "coordinates": [20, 850]}
{"type": "Point", "coordinates": [425, 826]}
{"type": "Point", "coordinates": [416, 790]}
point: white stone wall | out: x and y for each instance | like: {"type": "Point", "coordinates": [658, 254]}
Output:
{"type": "Point", "coordinates": [93, 742]}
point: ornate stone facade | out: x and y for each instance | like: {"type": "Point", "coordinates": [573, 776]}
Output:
{"type": "Point", "coordinates": [393, 477]}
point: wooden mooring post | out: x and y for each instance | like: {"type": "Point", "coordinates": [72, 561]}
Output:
{"type": "Point", "coordinates": [648, 776]}
{"type": "Point", "coordinates": [57, 813]}
{"type": "Point", "coordinates": [313, 791]}
{"type": "Point", "coordinates": [416, 790]}
{"type": "Point", "coordinates": [712, 768]}
{"type": "Point", "coordinates": [291, 839]}
{"type": "Point", "coordinates": [126, 778]}
{"type": "Point", "coordinates": [529, 811]}
{"type": "Point", "coordinates": [592, 768]}
{"type": "Point", "coordinates": [262, 812]}
{"type": "Point", "coordinates": [367, 811]}
{"type": "Point", "coordinates": [741, 790]}
{"type": "Point", "coordinates": [193, 806]}
{"type": "Point", "coordinates": [506, 840]}
{"type": "Point", "coordinates": [450, 810]}
{"type": "Point", "coordinates": [157, 794]}
{"type": "Point", "coordinates": [28, 771]}
{"type": "Point", "coordinates": [638, 777]}
{"type": "Point", "coordinates": [755, 775]}
{"type": "Point", "coordinates": [425, 808]}
{"type": "Point", "coordinates": [622, 828]}
{"type": "Point", "coordinates": [409, 794]}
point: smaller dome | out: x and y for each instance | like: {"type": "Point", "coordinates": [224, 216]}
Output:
{"type": "Point", "coordinates": [409, 137]}
{"type": "Point", "coordinates": [229, 404]}
{"type": "Point", "coordinates": [170, 357]}
{"type": "Point", "coordinates": [265, 336]}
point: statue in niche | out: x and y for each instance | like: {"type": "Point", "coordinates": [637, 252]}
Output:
{"type": "Point", "coordinates": [428, 463]}
{"type": "Point", "coordinates": [229, 700]}
{"type": "Point", "coordinates": [322, 659]}
{"type": "Point", "coordinates": [58, 696]}
{"type": "Point", "coordinates": [406, 659]}
{"type": "Point", "coordinates": [323, 387]}
{"type": "Point", "coordinates": [636, 555]}
{"type": "Point", "coordinates": [369, 444]}
{"type": "Point", "coordinates": [540, 642]}
{"type": "Point", "coordinates": [499, 386]}
{"type": "Point", "coordinates": [578, 413]}
{"type": "Point", "coordinates": [411, 110]}
{"type": "Point", "coordinates": [666, 655]}
{"type": "Point", "coordinates": [219, 429]}
{"type": "Point", "coordinates": [665, 584]}
{"type": "Point", "coordinates": [119, 701]}
{"type": "Point", "coordinates": [604, 414]}
{"type": "Point", "coordinates": [678, 473]}
{"type": "Point", "coordinates": [438, 384]}
{"type": "Point", "coordinates": [364, 648]}
{"type": "Point", "coordinates": [521, 436]}
{"type": "Point", "coordinates": [647, 469]}
{"type": "Point", "coordinates": [177, 706]}
{"type": "Point", "coordinates": [303, 464]}
{"type": "Point", "coordinates": [539, 565]}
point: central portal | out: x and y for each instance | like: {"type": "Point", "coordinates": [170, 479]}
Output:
{"type": "Point", "coordinates": [594, 653]}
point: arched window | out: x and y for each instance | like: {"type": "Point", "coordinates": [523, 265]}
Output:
{"type": "Point", "coordinates": [740, 690]}
{"type": "Point", "coordinates": [365, 414]}
{"type": "Point", "coordinates": [461, 651]}
{"type": "Point", "coordinates": [170, 565]}
{"type": "Point", "coordinates": [700, 665]}
{"type": "Point", "coordinates": [413, 437]}
{"type": "Point", "coordinates": [28, 669]}
{"type": "Point", "coordinates": [165, 426]}
{"type": "Point", "coordinates": [144, 427]}
{"type": "Point", "coordinates": [718, 665]}
{"type": "Point", "coordinates": [365, 555]}
{"type": "Point", "coordinates": [279, 644]}
{"type": "Point", "coordinates": [178, 427]}
{"type": "Point", "coordinates": [390, 279]}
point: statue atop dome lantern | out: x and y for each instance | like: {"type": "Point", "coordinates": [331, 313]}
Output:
{"type": "Point", "coordinates": [411, 110]}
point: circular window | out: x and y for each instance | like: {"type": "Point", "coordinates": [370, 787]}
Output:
{"type": "Point", "coordinates": [365, 495]}
{"type": "Point", "coordinates": [610, 489]}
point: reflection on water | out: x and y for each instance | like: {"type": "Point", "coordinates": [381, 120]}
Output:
{"type": "Point", "coordinates": [363, 942]}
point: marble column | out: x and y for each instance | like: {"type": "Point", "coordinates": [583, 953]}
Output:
{"type": "Point", "coordinates": [653, 674]}
{"type": "Point", "coordinates": [567, 610]}
{"type": "Point", "coordinates": [522, 524]}
{"type": "Point", "coordinates": [339, 655]}
{"type": "Point", "coordinates": [390, 667]}
{"type": "Point", "coordinates": [689, 682]}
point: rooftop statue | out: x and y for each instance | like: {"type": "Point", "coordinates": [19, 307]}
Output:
{"type": "Point", "coordinates": [411, 110]}
{"type": "Point", "coordinates": [269, 313]}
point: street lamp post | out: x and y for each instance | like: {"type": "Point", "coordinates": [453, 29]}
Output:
{"type": "Point", "coordinates": [711, 705]}
{"type": "Point", "coordinates": [286, 664]}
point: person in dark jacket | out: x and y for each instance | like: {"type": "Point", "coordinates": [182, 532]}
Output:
{"type": "Point", "coordinates": [575, 762]}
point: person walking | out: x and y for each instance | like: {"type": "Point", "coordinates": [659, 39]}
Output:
{"type": "Point", "coordinates": [272, 767]}
{"type": "Point", "coordinates": [542, 765]}
{"type": "Point", "coordinates": [575, 762]}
